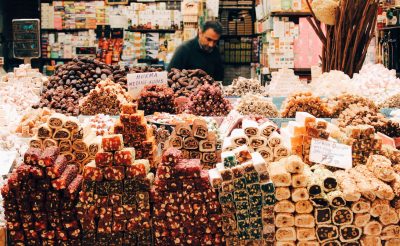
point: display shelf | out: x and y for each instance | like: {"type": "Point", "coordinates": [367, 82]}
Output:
{"type": "Point", "coordinates": [239, 36]}
{"type": "Point", "coordinates": [236, 7]}
{"type": "Point", "coordinates": [389, 28]}
{"type": "Point", "coordinates": [305, 71]}
{"type": "Point", "coordinates": [65, 30]}
{"type": "Point", "coordinates": [237, 63]}
{"type": "Point", "coordinates": [151, 30]}
{"type": "Point", "coordinates": [290, 14]}
{"type": "Point", "coordinates": [56, 59]}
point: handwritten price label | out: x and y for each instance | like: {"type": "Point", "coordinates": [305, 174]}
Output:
{"type": "Point", "coordinates": [331, 154]}
{"type": "Point", "coordinates": [137, 81]}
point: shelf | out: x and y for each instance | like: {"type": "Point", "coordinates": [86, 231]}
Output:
{"type": "Point", "coordinates": [65, 30]}
{"type": "Point", "coordinates": [237, 63]}
{"type": "Point", "coordinates": [236, 7]}
{"type": "Point", "coordinates": [389, 28]}
{"type": "Point", "coordinates": [290, 14]}
{"type": "Point", "coordinates": [302, 70]}
{"type": "Point", "coordinates": [239, 36]}
{"type": "Point", "coordinates": [152, 30]}
{"type": "Point", "coordinates": [56, 59]}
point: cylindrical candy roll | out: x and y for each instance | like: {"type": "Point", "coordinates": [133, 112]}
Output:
{"type": "Point", "coordinates": [250, 127]}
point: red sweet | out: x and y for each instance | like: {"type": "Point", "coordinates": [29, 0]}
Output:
{"type": "Point", "coordinates": [75, 185]}
{"type": "Point", "coordinates": [58, 168]}
{"type": "Point", "coordinates": [136, 171]}
{"type": "Point", "coordinates": [125, 157]}
{"type": "Point", "coordinates": [104, 159]}
{"type": "Point", "coordinates": [114, 173]}
{"type": "Point", "coordinates": [31, 156]}
{"type": "Point", "coordinates": [49, 156]}
{"type": "Point", "coordinates": [93, 173]}
{"type": "Point", "coordinates": [66, 178]}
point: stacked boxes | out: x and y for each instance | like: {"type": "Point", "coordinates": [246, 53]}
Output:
{"type": "Point", "coordinates": [39, 200]}
{"type": "Point", "coordinates": [247, 199]}
{"type": "Point", "coordinates": [114, 206]}
{"type": "Point", "coordinates": [196, 142]}
{"type": "Point", "coordinates": [186, 208]}
{"type": "Point", "coordinates": [133, 126]}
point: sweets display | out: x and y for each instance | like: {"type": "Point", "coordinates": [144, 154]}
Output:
{"type": "Point", "coordinates": [242, 86]}
{"type": "Point", "coordinates": [30, 122]}
{"type": "Point", "coordinates": [330, 84]}
{"type": "Point", "coordinates": [186, 208]}
{"type": "Point", "coordinates": [247, 199]}
{"type": "Point", "coordinates": [133, 126]}
{"type": "Point", "coordinates": [356, 115]}
{"type": "Point", "coordinates": [156, 98]}
{"type": "Point", "coordinates": [252, 104]}
{"type": "Point", "coordinates": [78, 145]}
{"type": "Point", "coordinates": [208, 101]}
{"type": "Point", "coordinates": [304, 102]}
{"type": "Point", "coordinates": [185, 82]}
{"type": "Point", "coordinates": [285, 82]}
{"type": "Point", "coordinates": [40, 198]}
{"type": "Point", "coordinates": [114, 204]}
{"type": "Point", "coordinates": [343, 101]}
{"type": "Point", "coordinates": [106, 98]}
{"type": "Point", "coordinates": [391, 102]}
{"type": "Point", "coordinates": [196, 142]}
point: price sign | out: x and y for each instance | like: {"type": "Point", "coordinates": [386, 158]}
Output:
{"type": "Point", "coordinates": [331, 154]}
{"type": "Point", "coordinates": [137, 81]}
{"type": "Point", "coordinates": [26, 38]}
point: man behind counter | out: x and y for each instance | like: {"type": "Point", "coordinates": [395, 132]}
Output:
{"type": "Point", "coordinates": [201, 52]}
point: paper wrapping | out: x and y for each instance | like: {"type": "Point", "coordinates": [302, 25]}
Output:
{"type": "Point", "coordinates": [250, 127]}
{"type": "Point", "coordinates": [56, 121]}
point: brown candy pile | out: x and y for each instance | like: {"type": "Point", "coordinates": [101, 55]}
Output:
{"type": "Point", "coordinates": [106, 98]}
{"type": "Point", "coordinates": [186, 208]}
{"type": "Point", "coordinates": [304, 102]}
{"type": "Point", "coordinates": [187, 81]}
{"type": "Point", "coordinates": [114, 206]}
{"type": "Point", "coordinates": [156, 98]}
{"type": "Point", "coordinates": [342, 102]}
{"type": "Point", "coordinates": [62, 100]}
{"type": "Point", "coordinates": [40, 198]}
{"type": "Point", "coordinates": [356, 115]}
{"type": "Point", "coordinates": [209, 101]}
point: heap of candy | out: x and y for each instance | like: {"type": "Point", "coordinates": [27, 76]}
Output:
{"type": "Point", "coordinates": [342, 102]}
{"type": "Point", "coordinates": [100, 123]}
{"type": "Point", "coordinates": [114, 203]}
{"type": "Point", "coordinates": [242, 86]}
{"type": "Point", "coordinates": [133, 126]}
{"type": "Point", "coordinates": [106, 98]}
{"type": "Point", "coordinates": [304, 102]}
{"type": "Point", "coordinates": [30, 122]}
{"type": "Point", "coordinates": [156, 98]}
{"type": "Point", "coordinates": [252, 104]}
{"type": "Point", "coordinates": [196, 142]}
{"type": "Point", "coordinates": [208, 101]}
{"type": "Point", "coordinates": [247, 199]}
{"type": "Point", "coordinates": [40, 198]}
{"type": "Point", "coordinates": [263, 139]}
{"type": "Point", "coordinates": [186, 208]}
{"type": "Point", "coordinates": [392, 102]}
{"type": "Point", "coordinates": [78, 146]}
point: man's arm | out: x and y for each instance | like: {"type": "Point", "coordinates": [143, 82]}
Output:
{"type": "Point", "coordinates": [178, 59]}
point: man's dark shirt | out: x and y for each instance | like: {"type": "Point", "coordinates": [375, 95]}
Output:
{"type": "Point", "coordinates": [189, 55]}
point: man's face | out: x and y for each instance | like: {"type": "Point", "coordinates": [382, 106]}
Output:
{"type": "Point", "coordinates": [208, 39]}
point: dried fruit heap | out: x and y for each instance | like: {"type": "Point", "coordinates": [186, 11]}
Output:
{"type": "Point", "coordinates": [114, 206]}
{"type": "Point", "coordinates": [157, 98]}
{"type": "Point", "coordinates": [40, 198]}
{"type": "Point", "coordinates": [304, 102]}
{"type": "Point", "coordinates": [186, 208]}
{"type": "Point", "coordinates": [209, 101]}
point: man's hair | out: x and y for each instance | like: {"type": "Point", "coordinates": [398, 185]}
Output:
{"type": "Point", "coordinates": [215, 25]}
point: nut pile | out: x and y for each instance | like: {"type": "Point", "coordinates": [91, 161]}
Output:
{"type": "Point", "coordinates": [106, 98]}
{"type": "Point", "coordinates": [30, 122]}
{"type": "Point", "coordinates": [209, 101]}
{"type": "Point", "coordinates": [114, 203]}
{"type": "Point", "coordinates": [186, 81]}
{"type": "Point", "coordinates": [62, 100]}
{"type": "Point", "coordinates": [304, 102]}
{"type": "Point", "coordinates": [186, 208]}
{"type": "Point", "coordinates": [40, 198]}
{"type": "Point", "coordinates": [342, 102]}
{"type": "Point", "coordinates": [253, 104]}
{"type": "Point", "coordinates": [241, 86]}
{"type": "Point", "coordinates": [356, 115]}
{"type": "Point", "coordinates": [156, 98]}
{"type": "Point", "coordinates": [391, 102]}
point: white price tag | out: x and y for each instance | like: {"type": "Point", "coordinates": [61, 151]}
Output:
{"type": "Point", "coordinates": [230, 121]}
{"type": "Point", "coordinates": [331, 154]}
{"type": "Point", "coordinates": [137, 81]}
{"type": "Point", "coordinates": [7, 159]}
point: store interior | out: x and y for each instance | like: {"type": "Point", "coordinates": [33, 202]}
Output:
{"type": "Point", "coordinates": [200, 122]}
